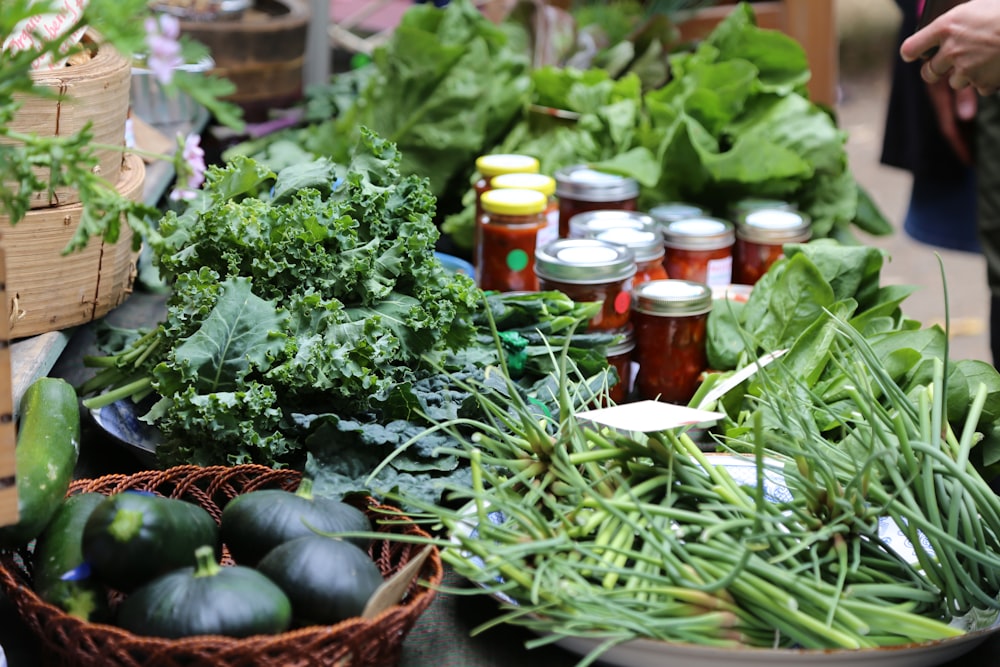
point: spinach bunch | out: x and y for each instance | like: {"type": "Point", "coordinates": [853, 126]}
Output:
{"type": "Point", "coordinates": [310, 290]}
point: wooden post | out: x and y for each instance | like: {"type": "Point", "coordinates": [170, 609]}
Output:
{"type": "Point", "coordinates": [8, 489]}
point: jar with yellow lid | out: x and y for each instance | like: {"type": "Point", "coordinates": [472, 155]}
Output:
{"type": "Point", "coordinates": [542, 183]}
{"type": "Point", "coordinates": [508, 235]}
{"type": "Point", "coordinates": [670, 319]}
{"type": "Point", "coordinates": [760, 239]}
{"type": "Point", "coordinates": [581, 188]}
{"type": "Point", "coordinates": [495, 164]}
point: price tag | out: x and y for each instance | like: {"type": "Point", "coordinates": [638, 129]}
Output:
{"type": "Point", "coordinates": [34, 31]}
{"type": "Point", "coordinates": [648, 416]}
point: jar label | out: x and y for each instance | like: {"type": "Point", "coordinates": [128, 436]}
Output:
{"type": "Point", "coordinates": [517, 260]}
{"type": "Point", "coordinates": [623, 302]}
{"type": "Point", "coordinates": [719, 272]}
{"type": "Point", "coordinates": [550, 232]}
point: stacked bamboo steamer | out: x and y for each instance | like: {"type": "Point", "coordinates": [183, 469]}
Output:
{"type": "Point", "coordinates": [46, 288]}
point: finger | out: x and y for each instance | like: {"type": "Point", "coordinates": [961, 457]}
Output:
{"type": "Point", "coordinates": [966, 103]}
{"type": "Point", "coordinates": [919, 43]}
{"type": "Point", "coordinates": [929, 74]}
{"type": "Point", "coordinates": [958, 81]}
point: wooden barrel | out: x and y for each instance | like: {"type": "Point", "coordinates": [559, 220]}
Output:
{"type": "Point", "coordinates": [94, 90]}
{"type": "Point", "coordinates": [262, 53]}
{"type": "Point", "coordinates": [49, 291]}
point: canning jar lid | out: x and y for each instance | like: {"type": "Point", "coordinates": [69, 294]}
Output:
{"type": "Point", "coordinates": [672, 297]}
{"type": "Point", "coordinates": [584, 183]}
{"type": "Point", "coordinates": [751, 204]}
{"type": "Point", "coordinates": [773, 226]}
{"type": "Point", "coordinates": [645, 244]}
{"type": "Point", "coordinates": [626, 344]}
{"type": "Point", "coordinates": [525, 181]}
{"type": "Point", "coordinates": [701, 233]}
{"type": "Point", "coordinates": [584, 262]}
{"type": "Point", "coordinates": [587, 225]}
{"type": "Point", "coordinates": [513, 201]}
{"type": "Point", "coordinates": [505, 163]}
{"type": "Point", "coordinates": [676, 210]}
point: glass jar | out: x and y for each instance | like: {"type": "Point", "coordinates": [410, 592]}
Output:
{"type": "Point", "coordinates": [542, 183]}
{"type": "Point", "coordinates": [760, 239]}
{"type": "Point", "coordinates": [508, 233]}
{"type": "Point", "coordinates": [699, 249]}
{"type": "Point", "coordinates": [670, 318]}
{"type": "Point", "coordinates": [646, 245]}
{"type": "Point", "coordinates": [588, 225]}
{"type": "Point", "coordinates": [750, 204]}
{"type": "Point", "coordinates": [590, 270]}
{"type": "Point", "coordinates": [619, 357]}
{"type": "Point", "coordinates": [672, 211]}
{"type": "Point", "coordinates": [581, 188]}
{"type": "Point", "coordinates": [490, 166]}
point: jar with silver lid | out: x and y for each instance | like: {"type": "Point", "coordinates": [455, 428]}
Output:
{"type": "Point", "coordinates": [669, 318]}
{"type": "Point", "coordinates": [588, 225]}
{"type": "Point", "coordinates": [699, 249]}
{"type": "Point", "coordinates": [645, 244]}
{"type": "Point", "coordinates": [581, 188]}
{"type": "Point", "coordinates": [750, 204]}
{"type": "Point", "coordinates": [619, 356]}
{"type": "Point", "coordinates": [760, 239]}
{"type": "Point", "coordinates": [672, 211]}
{"type": "Point", "coordinates": [590, 270]}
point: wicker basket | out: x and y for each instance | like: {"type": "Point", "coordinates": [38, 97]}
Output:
{"type": "Point", "coordinates": [66, 640]}
{"type": "Point", "coordinates": [95, 91]}
{"type": "Point", "coordinates": [49, 291]}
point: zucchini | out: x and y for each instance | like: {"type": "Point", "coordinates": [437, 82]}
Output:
{"type": "Point", "coordinates": [256, 522]}
{"type": "Point", "coordinates": [135, 536]}
{"type": "Point", "coordinates": [59, 552]}
{"type": "Point", "coordinates": [48, 446]}
{"type": "Point", "coordinates": [207, 599]}
{"type": "Point", "coordinates": [327, 579]}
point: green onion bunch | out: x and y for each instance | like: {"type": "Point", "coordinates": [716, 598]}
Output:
{"type": "Point", "coordinates": [584, 531]}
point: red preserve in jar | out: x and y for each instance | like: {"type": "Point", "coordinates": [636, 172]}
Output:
{"type": "Point", "coordinates": [588, 225]}
{"type": "Point", "coordinates": [542, 183]}
{"type": "Point", "coordinates": [672, 211]}
{"type": "Point", "coordinates": [646, 245]}
{"type": "Point", "coordinates": [619, 356]}
{"type": "Point", "coordinates": [581, 188]}
{"type": "Point", "coordinates": [669, 318]}
{"type": "Point", "coordinates": [590, 270]}
{"type": "Point", "coordinates": [760, 238]}
{"type": "Point", "coordinates": [508, 233]}
{"type": "Point", "coordinates": [699, 249]}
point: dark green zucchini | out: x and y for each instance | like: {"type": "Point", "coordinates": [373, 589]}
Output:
{"type": "Point", "coordinates": [48, 446]}
{"type": "Point", "coordinates": [327, 579]}
{"type": "Point", "coordinates": [133, 537]}
{"type": "Point", "coordinates": [60, 576]}
{"type": "Point", "coordinates": [207, 599]}
{"type": "Point", "coordinates": [256, 522]}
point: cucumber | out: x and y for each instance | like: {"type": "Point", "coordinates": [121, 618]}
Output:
{"type": "Point", "coordinates": [135, 536]}
{"type": "Point", "coordinates": [48, 446]}
{"type": "Point", "coordinates": [58, 551]}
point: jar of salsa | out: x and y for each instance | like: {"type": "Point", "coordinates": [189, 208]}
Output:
{"type": "Point", "coordinates": [672, 211]}
{"type": "Point", "coordinates": [619, 357]}
{"type": "Point", "coordinates": [588, 225]}
{"type": "Point", "coordinates": [508, 233]}
{"type": "Point", "coordinates": [699, 249]}
{"type": "Point", "coordinates": [490, 166]}
{"type": "Point", "coordinates": [590, 270]}
{"type": "Point", "coordinates": [669, 318]}
{"type": "Point", "coordinates": [645, 244]}
{"type": "Point", "coordinates": [760, 239]}
{"type": "Point", "coordinates": [581, 188]}
{"type": "Point", "coordinates": [542, 183]}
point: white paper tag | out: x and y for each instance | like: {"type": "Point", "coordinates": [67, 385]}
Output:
{"type": "Point", "coordinates": [721, 389]}
{"type": "Point", "coordinates": [648, 416]}
{"type": "Point", "coordinates": [48, 26]}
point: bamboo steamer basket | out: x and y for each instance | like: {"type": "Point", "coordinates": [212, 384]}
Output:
{"type": "Point", "coordinates": [262, 53]}
{"type": "Point", "coordinates": [96, 91]}
{"type": "Point", "coordinates": [49, 291]}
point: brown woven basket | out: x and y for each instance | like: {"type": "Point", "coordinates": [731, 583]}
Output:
{"type": "Point", "coordinates": [50, 291]}
{"type": "Point", "coordinates": [95, 91]}
{"type": "Point", "coordinates": [66, 640]}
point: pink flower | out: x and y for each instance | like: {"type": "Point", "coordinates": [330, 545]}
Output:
{"type": "Point", "coordinates": [190, 165]}
{"type": "Point", "coordinates": [162, 38]}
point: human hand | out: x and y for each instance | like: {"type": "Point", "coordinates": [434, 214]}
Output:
{"type": "Point", "coordinates": [954, 108]}
{"type": "Point", "coordinates": [967, 43]}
